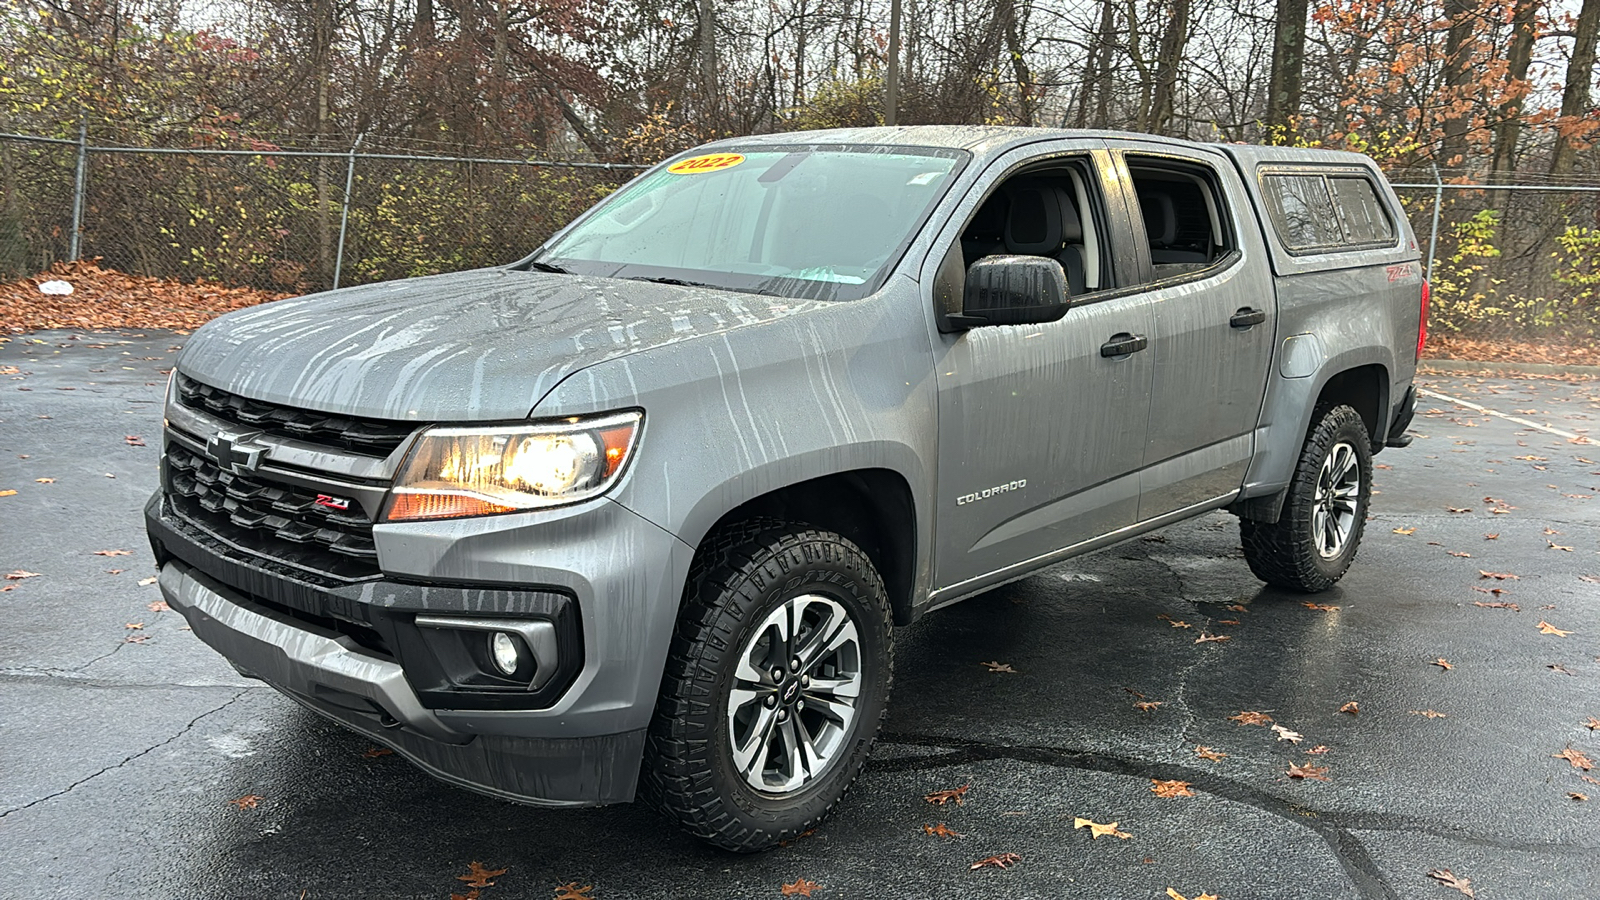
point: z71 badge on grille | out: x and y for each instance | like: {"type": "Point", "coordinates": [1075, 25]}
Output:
{"type": "Point", "coordinates": [338, 503]}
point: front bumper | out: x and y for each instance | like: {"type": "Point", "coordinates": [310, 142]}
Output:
{"type": "Point", "coordinates": [579, 742]}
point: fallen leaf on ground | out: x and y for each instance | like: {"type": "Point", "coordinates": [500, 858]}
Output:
{"type": "Point", "coordinates": [1178, 623]}
{"type": "Point", "coordinates": [136, 638]}
{"type": "Point", "coordinates": [1250, 717]}
{"type": "Point", "coordinates": [999, 667]}
{"type": "Point", "coordinates": [1405, 531]}
{"type": "Point", "coordinates": [469, 895]}
{"type": "Point", "coordinates": [1322, 607]}
{"type": "Point", "coordinates": [1498, 576]}
{"type": "Point", "coordinates": [133, 440]}
{"type": "Point", "coordinates": [1170, 788]}
{"type": "Point", "coordinates": [148, 581]}
{"type": "Point", "coordinates": [1205, 752]}
{"type": "Point", "coordinates": [1096, 830]}
{"type": "Point", "coordinates": [8, 493]}
{"type": "Point", "coordinates": [1284, 734]}
{"type": "Point", "coordinates": [1227, 621]}
{"type": "Point", "coordinates": [1460, 555]}
{"type": "Point", "coordinates": [1556, 546]}
{"type": "Point", "coordinates": [20, 574]}
{"type": "Point", "coordinates": [157, 606]}
{"type": "Point", "coordinates": [1320, 773]}
{"type": "Point", "coordinates": [1451, 879]}
{"type": "Point", "coordinates": [478, 875]}
{"type": "Point", "coordinates": [942, 797]}
{"type": "Point", "coordinates": [1495, 536]}
{"type": "Point", "coordinates": [571, 891]}
{"type": "Point", "coordinates": [1578, 760]}
{"type": "Point", "coordinates": [1547, 628]}
{"type": "Point", "coordinates": [1352, 708]}
{"type": "Point", "coordinates": [375, 752]}
{"type": "Point", "coordinates": [941, 830]}
{"type": "Point", "coordinates": [998, 861]}
{"type": "Point", "coordinates": [1318, 750]}
{"type": "Point", "coordinates": [1577, 796]}
{"type": "Point", "coordinates": [1148, 705]}
{"type": "Point", "coordinates": [1458, 509]}
{"type": "Point", "coordinates": [1211, 638]}
{"type": "Point", "coordinates": [1174, 895]}
{"type": "Point", "coordinates": [1429, 713]}
{"type": "Point", "coordinates": [112, 552]}
{"type": "Point", "coordinates": [44, 481]}
{"type": "Point", "coordinates": [1549, 530]}
{"type": "Point", "coordinates": [248, 801]}
{"type": "Point", "coordinates": [1442, 663]}
{"type": "Point", "coordinates": [1592, 579]}
{"type": "Point", "coordinates": [1237, 607]}
{"type": "Point", "coordinates": [1593, 724]}
{"type": "Point", "coordinates": [1498, 604]}
{"type": "Point", "coordinates": [1559, 668]}
{"type": "Point", "coordinates": [134, 626]}
{"type": "Point", "coordinates": [115, 571]}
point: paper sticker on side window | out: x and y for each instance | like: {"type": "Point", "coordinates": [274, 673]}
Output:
{"type": "Point", "coordinates": [696, 165]}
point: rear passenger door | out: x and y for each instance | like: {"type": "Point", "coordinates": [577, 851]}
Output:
{"type": "Point", "coordinates": [1210, 292]}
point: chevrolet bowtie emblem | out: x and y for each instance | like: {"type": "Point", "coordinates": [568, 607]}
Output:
{"type": "Point", "coordinates": [236, 452]}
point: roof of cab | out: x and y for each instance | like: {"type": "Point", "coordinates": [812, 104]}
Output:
{"type": "Point", "coordinates": [992, 140]}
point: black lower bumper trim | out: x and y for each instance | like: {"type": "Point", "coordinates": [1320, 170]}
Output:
{"type": "Point", "coordinates": [1397, 436]}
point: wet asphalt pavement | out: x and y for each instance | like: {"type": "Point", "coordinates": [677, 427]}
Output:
{"type": "Point", "coordinates": [123, 738]}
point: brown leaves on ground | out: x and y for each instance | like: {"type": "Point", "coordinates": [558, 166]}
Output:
{"type": "Point", "coordinates": [478, 875]}
{"type": "Point", "coordinates": [999, 667]}
{"type": "Point", "coordinates": [44, 481]}
{"type": "Point", "coordinates": [1320, 607]}
{"type": "Point", "coordinates": [1174, 895]}
{"type": "Point", "coordinates": [1250, 717]}
{"type": "Point", "coordinates": [112, 552]}
{"type": "Point", "coordinates": [1097, 831]}
{"type": "Point", "coordinates": [144, 582]}
{"type": "Point", "coordinates": [157, 606]}
{"type": "Point", "coordinates": [1547, 628]}
{"type": "Point", "coordinates": [940, 798]}
{"type": "Point", "coordinates": [133, 440]}
{"type": "Point", "coordinates": [1284, 734]}
{"type": "Point", "coordinates": [1353, 708]}
{"type": "Point", "coordinates": [998, 861]}
{"type": "Point", "coordinates": [1148, 705]}
{"type": "Point", "coordinates": [1205, 752]}
{"type": "Point", "coordinates": [941, 830]}
{"type": "Point", "coordinates": [1451, 879]}
{"type": "Point", "coordinates": [1576, 757]}
{"type": "Point", "coordinates": [1168, 789]}
{"type": "Point", "coordinates": [1458, 509]}
{"type": "Point", "coordinates": [1429, 713]}
{"type": "Point", "coordinates": [8, 492]}
{"type": "Point", "coordinates": [1319, 773]}
{"type": "Point", "coordinates": [1593, 724]}
{"type": "Point", "coordinates": [1405, 530]}
{"type": "Point", "coordinates": [1574, 795]}
{"type": "Point", "coordinates": [1556, 546]}
{"type": "Point", "coordinates": [20, 574]}
{"type": "Point", "coordinates": [571, 891]}
{"type": "Point", "coordinates": [1205, 638]}
{"type": "Point", "coordinates": [1454, 346]}
{"type": "Point", "coordinates": [1497, 604]}
{"type": "Point", "coordinates": [104, 298]}
{"type": "Point", "coordinates": [800, 888]}
{"type": "Point", "coordinates": [1442, 663]}
{"type": "Point", "coordinates": [375, 752]}
{"type": "Point", "coordinates": [1498, 576]}
{"type": "Point", "coordinates": [248, 801]}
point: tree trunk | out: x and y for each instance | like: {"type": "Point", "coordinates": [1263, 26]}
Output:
{"type": "Point", "coordinates": [1100, 65]}
{"type": "Point", "coordinates": [1458, 86]}
{"type": "Point", "coordinates": [1575, 98]}
{"type": "Point", "coordinates": [1288, 64]}
{"type": "Point", "coordinates": [1007, 13]}
{"type": "Point", "coordinates": [1524, 29]}
{"type": "Point", "coordinates": [1168, 59]}
{"type": "Point", "coordinates": [710, 93]}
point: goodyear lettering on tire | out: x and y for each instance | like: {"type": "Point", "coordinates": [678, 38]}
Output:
{"type": "Point", "coordinates": [699, 165]}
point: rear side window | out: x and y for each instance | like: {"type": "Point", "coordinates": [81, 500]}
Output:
{"type": "Point", "coordinates": [1326, 213]}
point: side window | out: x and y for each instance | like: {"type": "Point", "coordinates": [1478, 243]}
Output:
{"type": "Point", "coordinates": [1186, 221]}
{"type": "Point", "coordinates": [1052, 211]}
{"type": "Point", "coordinates": [1301, 210]}
{"type": "Point", "coordinates": [1365, 220]}
{"type": "Point", "coordinates": [1315, 213]}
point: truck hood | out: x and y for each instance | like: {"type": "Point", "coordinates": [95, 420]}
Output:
{"type": "Point", "coordinates": [472, 346]}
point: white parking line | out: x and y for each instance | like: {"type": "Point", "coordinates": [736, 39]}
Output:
{"type": "Point", "coordinates": [1495, 412]}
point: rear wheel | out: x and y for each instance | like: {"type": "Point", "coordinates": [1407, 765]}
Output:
{"type": "Point", "coordinates": [775, 686]}
{"type": "Point", "coordinates": [1316, 537]}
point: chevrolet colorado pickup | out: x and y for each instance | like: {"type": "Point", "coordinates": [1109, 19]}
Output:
{"type": "Point", "coordinates": [640, 513]}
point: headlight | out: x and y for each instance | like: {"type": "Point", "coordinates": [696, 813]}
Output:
{"type": "Point", "coordinates": [454, 472]}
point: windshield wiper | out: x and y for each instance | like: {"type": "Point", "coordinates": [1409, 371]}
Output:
{"type": "Point", "coordinates": [548, 267]}
{"type": "Point", "coordinates": [675, 281]}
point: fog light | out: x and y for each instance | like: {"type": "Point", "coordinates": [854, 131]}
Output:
{"type": "Point", "coordinates": [503, 649]}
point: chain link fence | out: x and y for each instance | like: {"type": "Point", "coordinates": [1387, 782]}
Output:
{"type": "Point", "coordinates": [293, 221]}
{"type": "Point", "coordinates": [1519, 258]}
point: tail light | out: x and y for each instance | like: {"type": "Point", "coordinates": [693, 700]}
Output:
{"type": "Point", "coordinates": [1422, 322]}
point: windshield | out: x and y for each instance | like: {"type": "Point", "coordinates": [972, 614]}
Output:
{"type": "Point", "coordinates": [792, 221]}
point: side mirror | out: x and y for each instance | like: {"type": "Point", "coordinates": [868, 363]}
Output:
{"type": "Point", "coordinates": [1013, 290]}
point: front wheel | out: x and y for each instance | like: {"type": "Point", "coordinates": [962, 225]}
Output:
{"type": "Point", "coordinates": [1315, 538]}
{"type": "Point", "coordinates": [775, 686]}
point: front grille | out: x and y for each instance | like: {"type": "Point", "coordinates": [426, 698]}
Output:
{"type": "Point", "coordinates": [276, 520]}
{"type": "Point", "coordinates": [374, 437]}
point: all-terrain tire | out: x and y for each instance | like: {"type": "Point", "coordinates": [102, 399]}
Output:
{"type": "Point", "coordinates": [739, 578]}
{"type": "Point", "coordinates": [1286, 553]}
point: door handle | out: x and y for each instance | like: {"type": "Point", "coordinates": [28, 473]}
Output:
{"type": "Point", "coordinates": [1247, 317]}
{"type": "Point", "coordinates": [1123, 344]}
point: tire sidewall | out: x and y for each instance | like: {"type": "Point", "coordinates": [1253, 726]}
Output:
{"type": "Point", "coordinates": [1341, 424]}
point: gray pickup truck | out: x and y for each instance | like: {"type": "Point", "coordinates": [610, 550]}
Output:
{"type": "Point", "coordinates": [640, 512]}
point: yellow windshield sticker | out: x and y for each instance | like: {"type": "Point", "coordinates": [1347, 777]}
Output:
{"type": "Point", "coordinates": [696, 165]}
